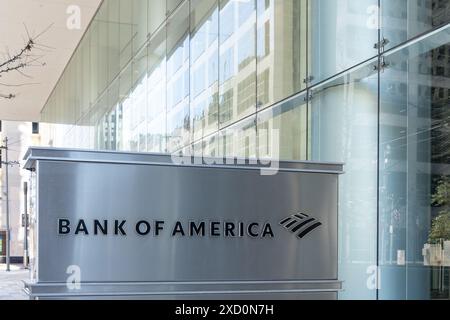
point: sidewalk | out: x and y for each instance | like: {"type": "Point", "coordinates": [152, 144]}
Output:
{"type": "Point", "coordinates": [11, 283]}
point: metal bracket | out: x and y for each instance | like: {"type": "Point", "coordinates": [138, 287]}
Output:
{"type": "Point", "coordinates": [383, 65]}
{"type": "Point", "coordinates": [308, 80]}
{"type": "Point", "coordinates": [381, 44]}
{"type": "Point", "coordinates": [308, 97]}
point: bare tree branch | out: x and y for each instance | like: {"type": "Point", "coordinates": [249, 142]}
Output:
{"type": "Point", "coordinates": [20, 55]}
{"type": "Point", "coordinates": [19, 84]}
{"type": "Point", "coordinates": [9, 96]}
{"type": "Point", "coordinates": [22, 59]}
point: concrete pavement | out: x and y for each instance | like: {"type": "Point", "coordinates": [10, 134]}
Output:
{"type": "Point", "coordinates": [11, 283]}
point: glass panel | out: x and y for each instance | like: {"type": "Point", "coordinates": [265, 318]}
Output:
{"type": "Point", "coordinates": [102, 18]}
{"type": "Point", "coordinates": [238, 140]}
{"type": "Point", "coordinates": [70, 92]}
{"type": "Point", "coordinates": [405, 19]}
{"type": "Point", "coordinates": [210, 146]}
{"type": "Point", "coordinates": [129, 134]}
{"type": "Point", "coordinates": [282, 131]}
{"type": "Point", "coordinates": [156, 14]}
{"type": "Point", "coordinates": [342, 34]}
{"type": "Point", "coordinates": [197, 149]}
{"type": "Point", "coordinates": [172, 5]}
{"type": "Point", "coordinates": [414, 171]}
{"type": "Point", "coordinates": [139, 98]}
{"type": "Point", "coordinates": [125, 32]}
{"type": "Point", "coordinates": [237, 60]}
{"type": "Point", "coordinates": [112, 116]}
{"type": "Point", "coordinates": [281, 49]}
{"type": "Point", "coordinates": [56, 113]}
{"type": "Point", "coordinates": [101, 125]}
{"type": "Point", "coordinates": [113, 39]}
{"type": "Point", "coordinates": [178, 122]}
{"type": "Point", "coordinates": [78, 83]}
{"type": "Point", "coordinates": [119, 127]}
{"type": "Point", "coordinates": [94, 57]}
{"type": "Point", "coordinates": [85, 77]}
{"type": "Point", "coordinates": [204, 67]}
{"type": "Point", "coordinates": [344, 128]}
{"type": "Point", "coordinates": [66, 98]}
{"type": "Point", "coordinates": [156, 90]}
{"type": "Point", "coordinates": [140, 12]}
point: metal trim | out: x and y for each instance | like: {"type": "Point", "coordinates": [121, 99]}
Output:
{"type": "Point", "coordinates": [133, 158]}
{"type": "Point", "coordinates": [118, 289]}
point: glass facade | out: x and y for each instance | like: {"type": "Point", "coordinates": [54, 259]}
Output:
{"type": "Point", "coordinates": [364, 82]}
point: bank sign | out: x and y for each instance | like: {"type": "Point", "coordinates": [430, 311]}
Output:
{"type": "Point", "coordinates": [299, 224]}
{"type": "Point", "coordinates": [140, 218]}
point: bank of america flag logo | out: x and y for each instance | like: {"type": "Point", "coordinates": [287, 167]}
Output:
{"type": "Point", "coordinates": [300, 224]}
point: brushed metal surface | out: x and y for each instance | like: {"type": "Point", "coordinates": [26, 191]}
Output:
{"type": "Point", "coordinates": [80, 155]}
{"type": "Point", "coordinates": [153, 290]}
{"type": "Point", "coordinates": [68, 186]}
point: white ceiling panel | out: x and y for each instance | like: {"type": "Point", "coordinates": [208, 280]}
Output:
{"type": "Point", "coordinates": [17, 17]}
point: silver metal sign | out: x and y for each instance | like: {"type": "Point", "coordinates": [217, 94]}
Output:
{"type": "Point", "coordinates": [111, 224]}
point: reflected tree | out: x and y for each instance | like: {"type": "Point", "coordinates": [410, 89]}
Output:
{"type": "Point", "coordinates": [440, 227]}
{"type": "Point", "coordinates": [23, 58]}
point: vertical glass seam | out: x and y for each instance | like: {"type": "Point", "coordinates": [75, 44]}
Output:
{"type": "Point", "coordinates": [378, 271]}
